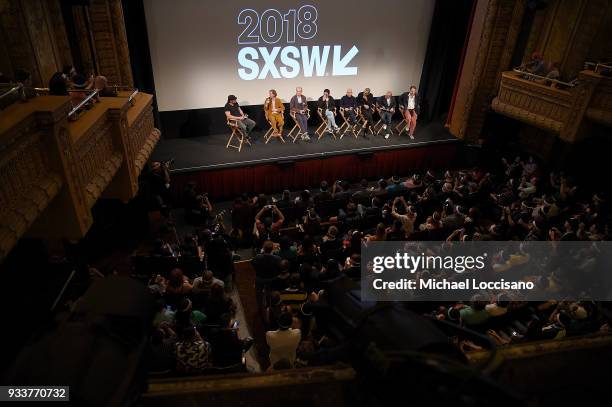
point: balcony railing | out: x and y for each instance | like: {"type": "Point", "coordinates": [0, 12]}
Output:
{"type": "Point", "coordinates": [534, 103]}
{"type": "Point", "coordinates": [31, 176]}
{"type": "Point", "coordinates": [54, 169]}
{"type": "Point", "coordinates": [553, 109]}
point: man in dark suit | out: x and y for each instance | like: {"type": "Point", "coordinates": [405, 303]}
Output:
{"type": "Point", "coordinates": [331, 244]}
{"type": "Point", "coordinates": [412, 108]}
{"type": "Point", "coordinates": [349, 104]}
{"type": "Point", "coordinates": [386, 106]}
{"type": "Point", "coordinates": [366, 101]}
{"type": "Point", "coordinates": [266, 264]}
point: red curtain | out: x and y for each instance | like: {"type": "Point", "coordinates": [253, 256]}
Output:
{"type": "Point", "coordinates": [269, 178]}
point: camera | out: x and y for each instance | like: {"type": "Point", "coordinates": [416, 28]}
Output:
{"type": "Point", "coordinates": [168, 163]}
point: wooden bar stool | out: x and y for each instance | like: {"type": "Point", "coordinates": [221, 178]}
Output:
{"type": "Point", "coordinates": [403, 124]}
{"type": "Point", "coordinates": [322, 129]}
{"type": "Point", "coordinates": [346, 126]}
{"type": "Point", "coordinates": [296, 131]}
{"type": "Point", "coordinates": [237, 138]}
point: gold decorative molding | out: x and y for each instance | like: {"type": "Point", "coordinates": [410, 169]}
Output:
{"type": "Point", "coordinates": [54, 171]}
{"type": "Point", "coordinates": [533, 103]}
{"type": "Point", "coordinates": [97, 159]}
{"type": "Point", "coordinates": [33, 37]}
{"type": "Point", "coordinates": [558, 111]}
{"type": "Point", "coordinates": [506, 21]}
{"type": "Point", "coordinates": [110, 41]}
{"type": "Point", "coordinates": [30, 181]}
{"type": "Point", "coordinates": [500, 28]}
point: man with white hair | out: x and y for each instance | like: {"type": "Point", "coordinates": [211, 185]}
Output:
{"type": "Point", "coordinates": [101, 84]}
{"type": "Point", "coordinates": [349, 104]}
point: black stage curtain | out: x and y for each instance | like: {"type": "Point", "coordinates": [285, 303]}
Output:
{"type": "Point", "coordinates": [449, 26]}
{"type": "Point", "coordinates": [140, 55]}
{"type": "Point", "coordinates": [447, 39]}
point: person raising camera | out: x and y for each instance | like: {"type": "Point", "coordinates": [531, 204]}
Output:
{"type": "Point", "coordinates": [268, 222]}
{"type": "Point", "coordinates": [198, 208]}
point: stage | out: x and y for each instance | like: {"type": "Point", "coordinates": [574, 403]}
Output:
{"type": "Point", "coordinates": [225, 173]}
{"type": "Point", "coordinates": [209, 152]}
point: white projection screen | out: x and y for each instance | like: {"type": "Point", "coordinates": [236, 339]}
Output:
{"type": "Point", "coordinates": [204, 50]}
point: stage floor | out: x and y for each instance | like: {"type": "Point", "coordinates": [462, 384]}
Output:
{"type": "Point", "coordinates": [209, 152]}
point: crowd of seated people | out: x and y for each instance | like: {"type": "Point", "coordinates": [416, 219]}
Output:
{"type": "Point", "coordinates": [505, 321]}
{"type": "Point", "coordinates": [316, 236]}
{"type": "Point", "coordinates": [194, 329]}
{"type": "Point", "coordinates": [304, 241]}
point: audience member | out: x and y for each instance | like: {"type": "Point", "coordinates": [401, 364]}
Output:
{"type": "Point", "coordinates": [193, 354]}
{"type": "Point", "coordinates": [284, 341]}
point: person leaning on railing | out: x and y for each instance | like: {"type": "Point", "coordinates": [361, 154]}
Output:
{"type": "Point", "coordinates": [537, 65]}
{"type": "Point", "coordinates": [553, 73]}
{"type": "Point", "coordinates": [79, 91]}
{"type": "Point", "coordinates": [101, 84]}
{"type": "Point", "coordinates": [58, 85]}
{"type": "Point", "coordinates": [551, 78]}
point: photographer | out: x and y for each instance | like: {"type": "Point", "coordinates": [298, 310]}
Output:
{"type": "Point", "coordinates": [311, 224]}
{"type": "Point", "coordinates": [341, 190]}
{"type": "Point", "coordinates": [197, 207]}
{"type": "Point", "coordinates": [408, 218]}
{"type": "Point", "coordinates": [268, 222]}
{"type": "Point", "coordinates": [158, 186]}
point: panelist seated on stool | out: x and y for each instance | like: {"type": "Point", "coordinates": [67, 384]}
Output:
{"type": "Point", "coordinates": [327, 109]}
{"type": "Point", "coordinates": [275, 109]}
{"type": "Point", "coordinates": [349, 103]}
{"type": "Point", "coordinates": [300, 113]}
{"type": "Point", "coordinates": [366, 102]}
{"type": "Point", "coordinates": [386, 107]}
{"type": "Point", "coordinates": [236, 116]}
{"type": "Point", "coordinates": [349, 112]}
{"type": "Point", "coordinates": [296, 131]}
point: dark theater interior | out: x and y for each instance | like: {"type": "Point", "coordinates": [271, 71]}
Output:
{"type": "Point", "coordinates": [306, 203]}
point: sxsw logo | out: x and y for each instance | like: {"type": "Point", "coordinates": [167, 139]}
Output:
{"type": "Point", "coordinates": [272, 26]}
{"type": "Point", "coordinates": [314, 61]}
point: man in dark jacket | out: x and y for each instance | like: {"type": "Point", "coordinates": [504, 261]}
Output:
{"type": "Point", "coordinates": [386, 106]}
{"type": "Point", "coordinates": [327, 104]}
